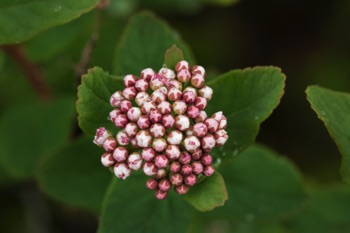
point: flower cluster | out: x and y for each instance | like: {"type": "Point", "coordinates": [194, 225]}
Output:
{"type": "Point", "coordinates": [163, 129]}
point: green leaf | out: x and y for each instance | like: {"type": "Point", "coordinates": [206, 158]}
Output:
{"type": "Point", "coordinates": [327, 210]}
{"type": "Point", "coordinates": [333, 108]}
{"type": "Point", "coordinates": [93, 100]}
{"type": "Point", "coordinates": [23, 19]}
{"type": "Point", "coordinates": [262, 186]}
{"type": "Point", "coordinates": [221, 2]}
{"type": "Point", "coordinates": [30, 131]}
{"type": "Point", "coordinates": [208, 194]}
{"type": "Point", "coordinates": [74, 175]}
{"type": "Point", "coordinates": [246, 97]}
{"type": "Point", "coordinates": [130, 207]}
{"type": "Point", "coordinates": [172, 56]}
{"type": "Point", "coordinates": [144, 43]}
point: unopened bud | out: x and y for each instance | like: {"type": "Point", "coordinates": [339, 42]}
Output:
{"type": "Point", "coordinates": [122, 171]}
{"type": "Point", "coordinates": [107, 160]}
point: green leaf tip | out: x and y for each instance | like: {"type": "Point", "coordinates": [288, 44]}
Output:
{"type": "Point", "coordinates": [172, 56]}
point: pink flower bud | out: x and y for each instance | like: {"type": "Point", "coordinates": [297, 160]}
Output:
{"type": "Point", "coordinates": [134, 143]}
{"type": "Point", "coordinates": [190, 180]}
{"type": "Point", "coordinates": [198, 70]}
{"type": "Point", "coordinates": [141, 85]}
{"type": "Point", "coordinates": [191, 89]}
{"type": "Point", "coordinates": [212, 124]}
{"type": "Point", "coordinates": [125, 105]}
{"type": "Point", "coordinates": [181, 189]}
{"type": "Point", "coordinates": [143, 139]}
{"type": "Point", "coordinates": [192, 111]}
{"type": "Point", "coordinates": [135, 161]}
{"type": "Point", "coordinates": [101, 135]}
{"type": "Point", "coordinates": [131, 129]}
{"type": "Point", "coordinates": [189, 97]}
{"type": "Point", "coordinates": [129, 93]}
{"type": "Point", "coordinates": [152, 184]}
{"type": "Point", "coordinates": [176, 179]}
{"type": "Point", "coordinates": [161, 173]}
{"type": "Point", "coordinates": [202, 116]}
{"type": "Point", "coordinates": [184, 75]}
{"type": "Point", "coordinates": [156, 82]}
{"type": "Point", "coordinates": [144, 122]}
{"type": "Point", "coordinates": [164, 107]}
{"type": "Point", "coordinates": [161, 195]}
{"type": "Point", "coordinates": [158, 96]}
{"type": "Point", "coordinates": [186, 169]}
{"type": "Point", "coordinates": [197, 154]}
{"type": "Point", "coordinates": [164, 185]}
{"type": "Point", "coordinates": [107, 160]}
{"type": "Point", "coordinates": [174, 137]}
{"type": "Point", "coordinates": [208, 142]}
{"type": "Point", "coordinates": [206, 92]}
{"type": "Point", "coordinates": [148, 154]}
{"type": "Point", "coordinates": [168, 121]}
{"type": "Point", "coordinates": [147, 107]}
{"type": "Point", "coordinates": [185, 158]}
{"type": "Point", "coordinates": [221, 119]}
{"type": "Point", "coordinates": [174, 94]}
{"type": "Point", "coordinates": [197, 167]}
{"type": "Point", "coordinates": [206, 159]}
{"type": "Point", "coordinates": [182, 122]}
{"type": "Point", "coordinates": [167, 73]}
{"type": "Point", "coordinates": [172, 152]}
{"type": "Point", "coordinates": [175, 167]}
{"type": "Point", "coordinates": [134, 113]}
{"type": "Point", "coordinates": [179, 107]}
{"type": "Point", "coordinates": [159, 144]}
{"type": "Point", "coordinates": [182, 65]}
{"type": "Point", "coordinates": [157, 130]}
{"type": "Point", "coordinates": [120, 154]}
{"type": "Point", "coordinates": [116, 98]}
{"type": "Point", "coordinates": [208, 170]}
{"type": "Point", "coordinates": [122, 171]}
{"type": "Point", "coordinates": [200, 130]}
{"type": "Point", "coordinates": [197, 80]}
{"type": "Point", "coordinates": [113, 114]}
{"type": "Point", "coordinates": [191, 143]}
{"type": "Point", "coordinates": [149, 168]}
{"type": "Point", "coordinates": [122, 138]}
{"type": "Point", "coordinates": [220, 137]}
{"type": "Point", "coordinates": [121, 120]}
{"type": "Point", "coordinates": [142, 97]}
{"type": "Point", "coordinates": [147, 74]}
{"type": "Point", "coordinates": [110, 144]}
{"type": "Point", "coordinates": [200, 103]}
{"type": "Point", "coordinates": [129, 80]}
{"type": "Point", "coordinates": [155, 116]}
{"type": "Point", "coordinates": [174, 84]}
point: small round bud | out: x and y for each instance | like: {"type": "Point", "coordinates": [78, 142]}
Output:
{"type": "Point", "coordinates": [208, 170]}
{"type": "Point", "coordinates": [175, 167]}
{"type": "Point", "coordinates": [206, 159]}
{"type": "Point", "coordinates": [202, 116]}
{"type": "Point", "coordinates": [212, 124]}
{"type": "Point", "coordinates": [167, 73]}
{"type": "Point", "coordinates": [116, 98]}
{"type": "Point", "coordinates": [186, 169]}
{"type": "Point", "coordinates": [181, 189]}
{"type": "Point", "coordinates": [208, 142]}
{"type": "Point", "coordinates": [200, 130]}
{"type": "Point", "coordinates": [122, 171]}
{"type": "Point", "coordinates": [182, 65]}
{"type": "Point", "coordinates": [198, 70]}
{"type": "Point", "coordinates": [158, 96]}
{"type": "Point", "coordinates": [110, 144]}
{"type": "Point", "coordinates": [220, 137]}
{"type": "Point", "coordinates": [197, 154]}
{"type": "Point", "coordinates": [189, 132]}
{"type": "Point", "coordinates": [159, 144]}
{"type": "Point", "coordinates": [156, 82]}
{"type": "Point", "coordinates": [142, 97]}
{"type": "Point", "coordinates": [147, 74]}
{"type": "Point", "coordinates": [200, 103]}
{"type": "Point", "coordinates": [147, 107]}
{"type": "Point", "coordinates": [189, 97]}
{"type": "Point", "coordinates": [164, 107]}
{"type": "Point", "coordinates": [120, 154]}
{"type": "Point", "coordinates": [164, 185]}
{"type": "Point", "coordinates": [185, 158]}
{"type": "Point", "coordinates": [176, 179]}
{"type": "Point", "coordinates": [174, 84]}
{"type": "Point", "coordinates": [135, 161]}
{"type": "Point", "coordinates": [174, 137]}
{"type": "Point", "coordinates": [161, 173]}
{"type": "Point", "coordinates": [125, 105]}
{"type": "Point", "coordinates": [182, 122]}
{"type": "Point", "coordinates": [168, 121]}
{"type": "Point", "coordinates": [131, 129]}
{"type": "Point", "coordinates": [206, 92]}
{"type": "Point", "coordinates": [134, 113]}
{"type": "Point", "coordinates": [129, 80]}
{"type": "Point", "coordinates": [101, 135]}
{"type": "Point", "coordinates": [121, 120]}
{"type": "Point", "coordinates": [190, 180]}
{"type": "Point", "coordinates": [161, 195]}
{"type": "Point", "coordinates": [172, 152]}
{"type": "Point", "coordinates": [221, 119]}
{"type": "Point", "coordinates": [184, 76]}
{"type": "Point", "coordinates": [143, 139]}
{"type": "Point", "coordinates": [197, 167]}
{"type": "Point", "coordinates": [157, 130]}
{"type": "Point", "coordinates": [141, 85]}
{"type": "Point", "coordinates": [149, 168]}
{"type": "Point", "coordinates": [174, 94]}
{"type": "Point", "coordinates": [148, 154]}
{"type": "Point", "coordinates": [197, 80]}
{"type": "Point", "coordinates": [155, 116]}
{"type": "Point", "coordinates": [129, 93]}
{"type": "Point", "coordinates": [114, 113]}
{"type": "Point", "coordinates": [152, 184]}
{"type": "Point", "coordinates": [144, 122]}
{"type": "Point", "coordinates": [192, 112]}
{"type": "Point", "coordinates": [123, 138]}
{"type": "Point", "coordinates": [134, 143]}
{"type": "Point", "coordinates": [191, 143]}
{"type": "Point", "coordinates": [179, 107]}
{"type": "Point", "coordinates": [107, 160]}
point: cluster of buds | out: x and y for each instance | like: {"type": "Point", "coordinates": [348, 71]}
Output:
{"type": "Point", "coordinates": [164, 129]}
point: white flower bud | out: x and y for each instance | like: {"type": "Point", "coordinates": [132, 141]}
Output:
{"type": "Point", "coordinates": [164, 107]}
{"type": "Point", "coordinates": [149, 168]}
{"type": "Point", "coordinates": [191, 143]}
{"type": "Point", "coordinates": [184, 75]}
{"type": "Point", "coordinates": [202, 116]}
{"type": "Point", "coordinates": [113, 114]}
{"type": "Point", "coordinates": [158, 96]}
{"type": "Point", "coordinates": [167, 73]}
{"type": "Point", "coordinates": [129, 80]}
{"type": "Point", "coordinates": [142, 97]}
{"type": "Point", "coordinates": [122, 171]}
{"type": "Point", "coordinates": [198, 70]}
{"type": "Point", "coordinates": [156, 82]}
{"type": "Point", "coordinates": [159, 144]}
{"type": "Point", "coordinates": [206, 92]}
{"type": "Point", "coordinates": [182, 122]}
{"type": "Point", "coordinates": [148, 154]}
{"type": "Point", "coordinates": [143, 122]}
{"type": "Point", "coordinates": [200, 130]}
{"type": "Point", "coordinates": [120, 154]}
{"type": "Point", "coordinates": [208, 143]}
{"type": "Point", "coordinates": [101, 135]}
{"type": "Point", "coordinates": [179, 107]}
{"type": "Point", "coordinates": [182, 65]}
{"type": "Point", "coordinates": [107, 160]}
{"type": "Point", "coordinates": [148, 106]}
{"type": "Point", "coordinates": [134, 113]}
{"type": "Point", "coordinates": [141, 85]}
{"type": "Point", "coordinates": [147, 74]}
{"type": "Point", "coordinates": [143, 139]}
{"type": "Point", "coordinates": [161, 161]}
{"type": "Point", "coordinates": [125, 105]}
{"type": "Point", "coordinates": [200, 103]}
{"type": "Point", "coordinates": [131, 129]}
{"type": "Point", "coordinates": [168, 121]}
{"type": "Point", "coordinates": [116, 98]}
{"type": "Point", "coordinates": [129, 93]}
{"type": "Point", "coordinates": [174, 137]}
{"type": "Point", "coordinates": [157, 130]}
{"type": "Point", "coordinates": [173, 152]}
{"type": "Point", "coordinates": [121, 120]}
{"type": "Point", "coordinates": [220, 137]}
{"type": "Point", "coordinates": [135, 161]}
{"type": "Point", "coordinates": [123, 138]}
{"type": "Point", "coordinates": [110, 144]}
{"type": "Point", "coordinates": [174, 94]}
{"type": "Point", "coordinates": [197, 80]}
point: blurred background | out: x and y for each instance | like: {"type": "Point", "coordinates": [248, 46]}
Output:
{"type": "Point", "coordinates": [309, 40]}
